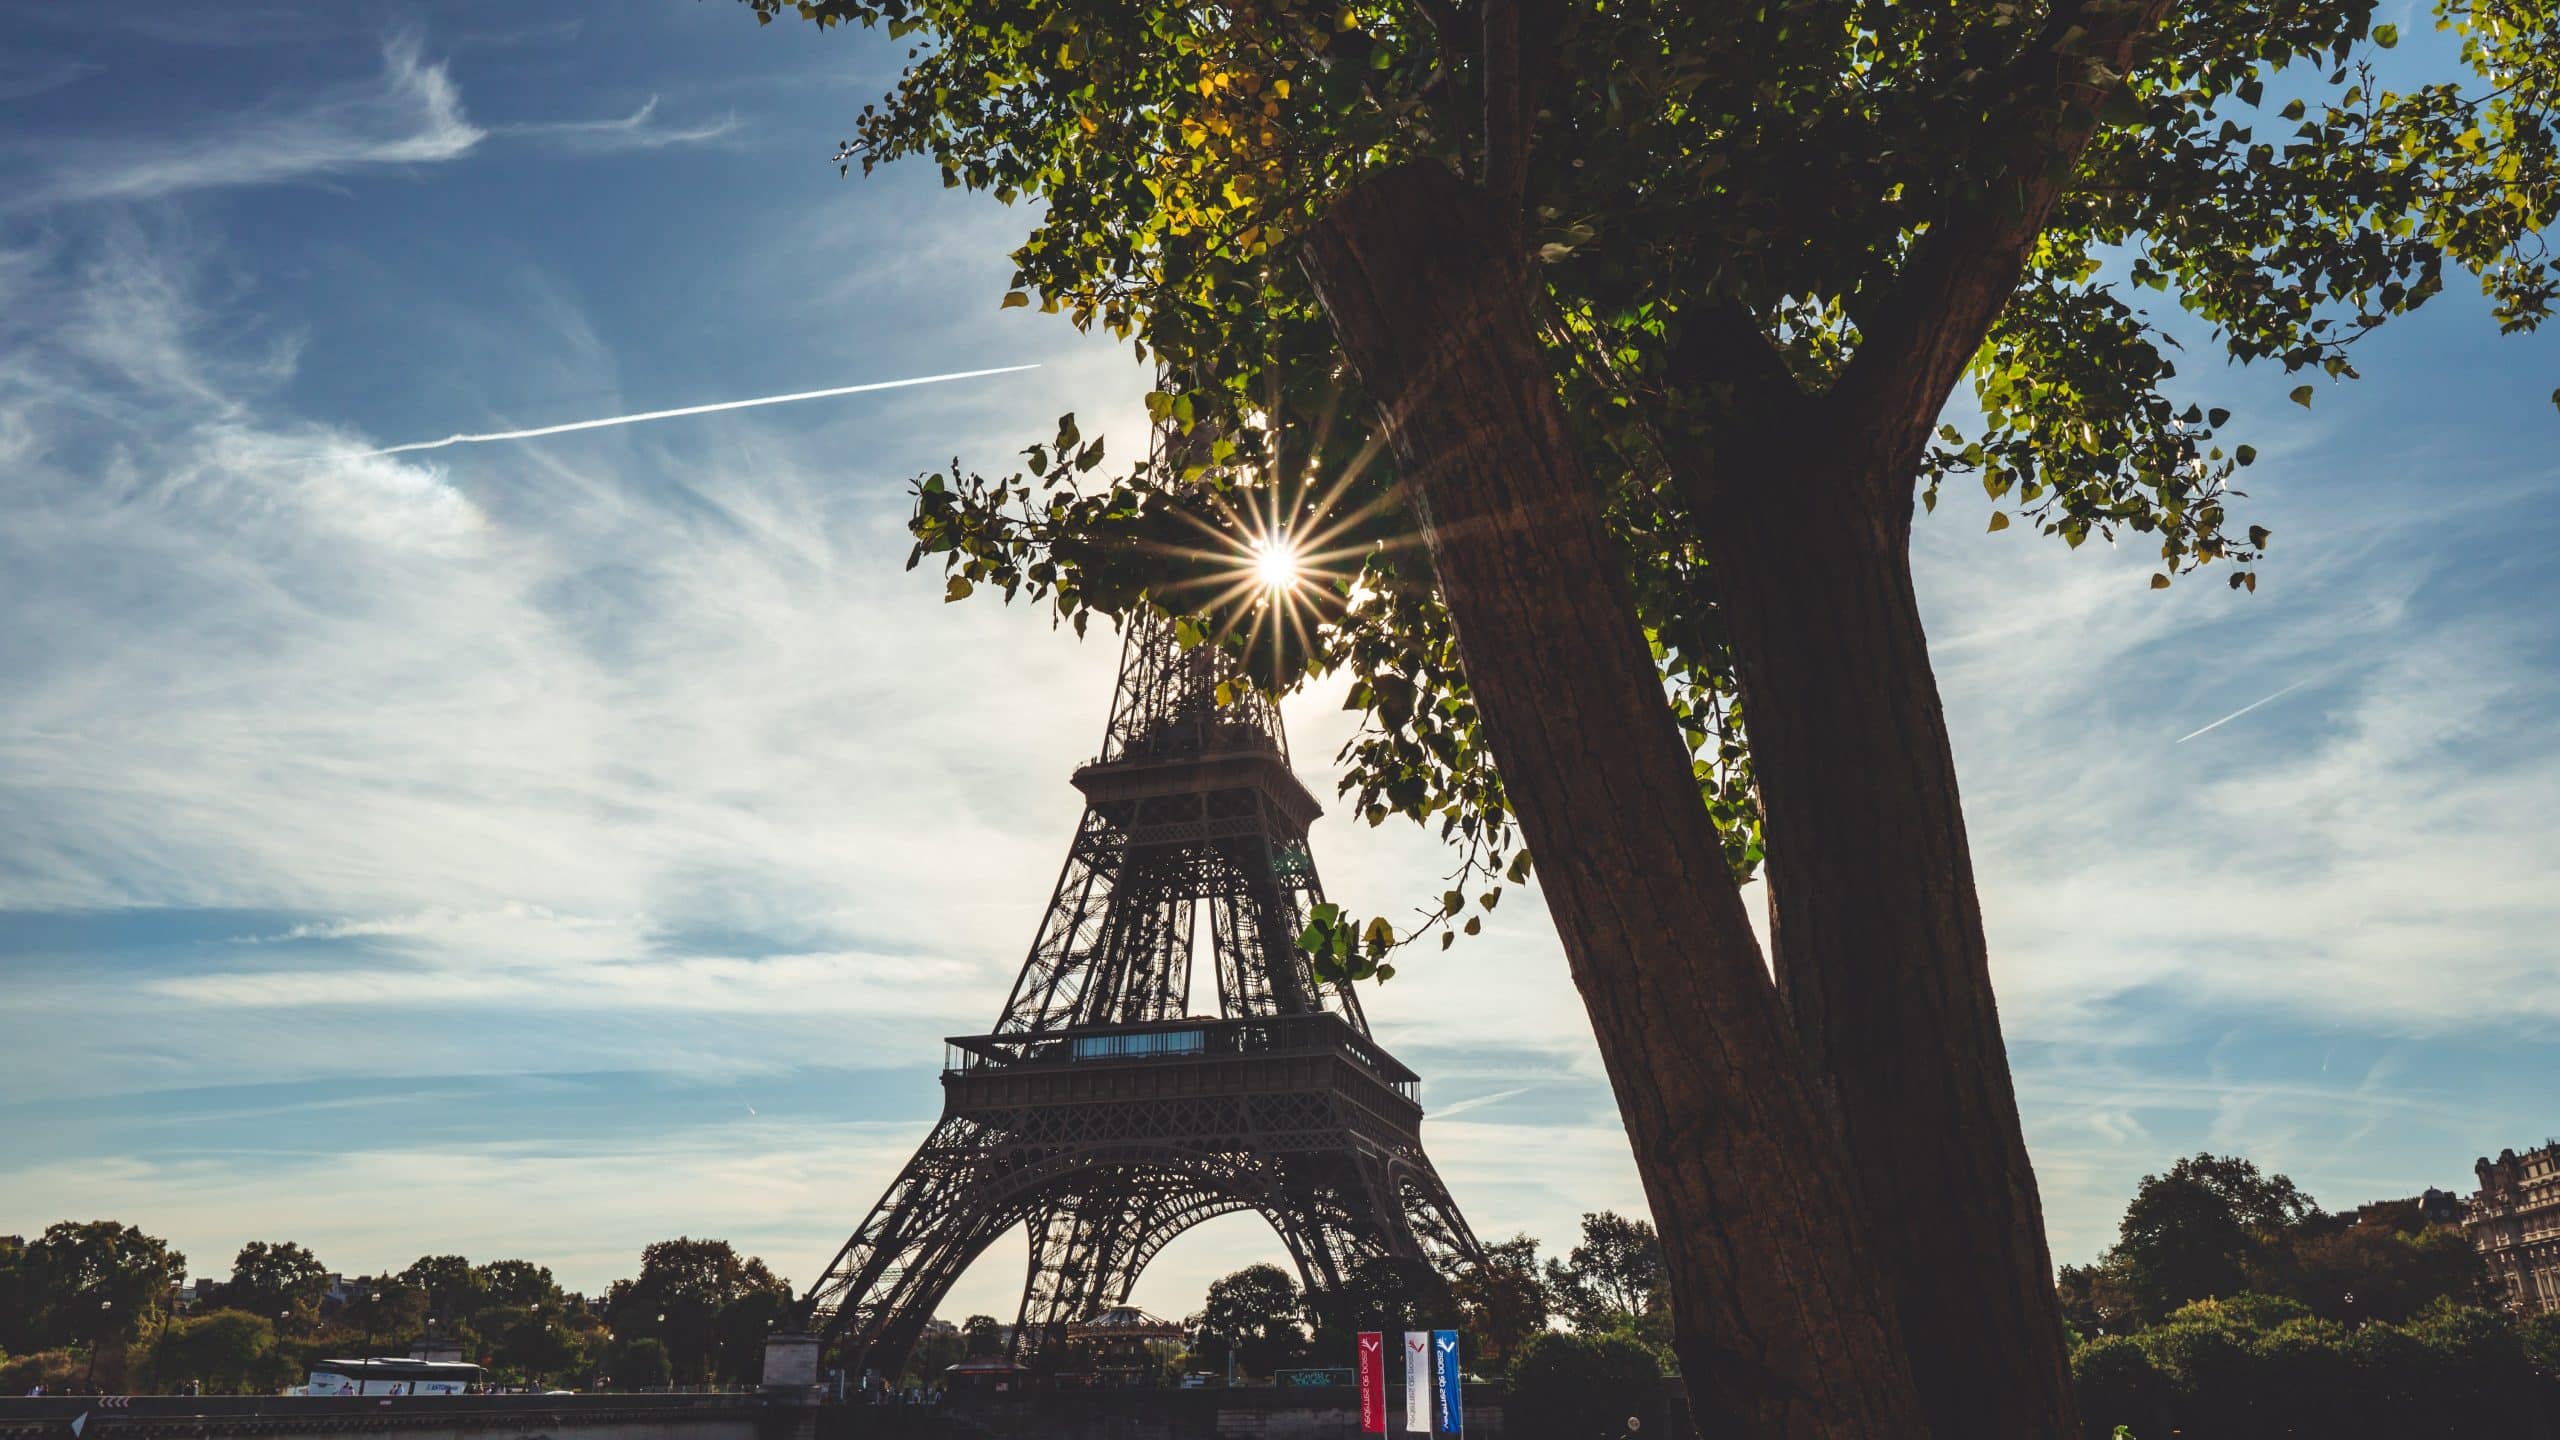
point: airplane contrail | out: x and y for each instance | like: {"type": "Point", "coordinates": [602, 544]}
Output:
{"type": "Point", "coordinates": [2243, 710]}
{"type": "Point", "coordinates": [692, 410]}
{"type": "Point", "coordinates": [1475, 1102]}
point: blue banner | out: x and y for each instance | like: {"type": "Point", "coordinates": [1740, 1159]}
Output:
{"type": "Point", "coordinates": [1444, 1355]}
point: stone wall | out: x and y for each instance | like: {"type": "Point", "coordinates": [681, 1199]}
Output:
{"type": "Point", "coordinates": [460, 1417]}
{"type": "Point", "coordinates": [1216, 1414]}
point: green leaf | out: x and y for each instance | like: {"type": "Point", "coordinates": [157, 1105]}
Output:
{"type": "Point", "coordinates": [1014, 300]}
{"type": "Point", "coordinates": [1999, 521]}
{"type": "Point", "coordinates": [2386, 36]}
{"type": "Point", "coordinates": [2302, 396]}
{"type": "Point", "coordinates": [2246, 455]}
{"type": "Point", "coordinates": [958, 589]}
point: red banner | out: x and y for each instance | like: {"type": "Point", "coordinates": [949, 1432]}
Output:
{"type": "Point", "coordinates": [1373, 1382]}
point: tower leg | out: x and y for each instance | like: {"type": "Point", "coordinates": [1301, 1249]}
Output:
{"type": "Point", "coordinates": [873, 1300]}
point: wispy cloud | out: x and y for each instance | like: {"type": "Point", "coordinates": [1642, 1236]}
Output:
{"type": "Point", "coordinates": [411, 114]}
{"type": "Point", "coordinates": [23, 76]}
{"type": "Point", "coordinates": [638, 130]}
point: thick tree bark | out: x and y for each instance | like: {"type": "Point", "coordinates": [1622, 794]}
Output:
{"type": "Point", "coordinates": [1878, 939]}
{"type": "Point", "coordinates": [1783, 1330]}
{"type": "Point", "coordinates": [1876, 929]}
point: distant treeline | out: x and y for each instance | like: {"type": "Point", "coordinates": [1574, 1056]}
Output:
{"type": "Point", "coordinates": [96, 1306]}
{"type": "Point", "coordinates": [2234, 1308]}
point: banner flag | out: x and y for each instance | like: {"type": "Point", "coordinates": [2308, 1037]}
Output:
{"type": "Point", "coordinates": [1417, 1381]}
{"type": "Point", "coordinates": [1373, 1382]}
{"type": "Point", "coordinates": [1452, 1421]}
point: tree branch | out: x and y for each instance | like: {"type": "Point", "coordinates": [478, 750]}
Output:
{"type": "Point", "coordinates": [1963, 270]}
{"type": "Point", "coordinates": [1519, 51]}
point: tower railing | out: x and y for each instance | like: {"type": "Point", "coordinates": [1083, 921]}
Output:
{"type": "Point", "coordinates": [1180, 1040]}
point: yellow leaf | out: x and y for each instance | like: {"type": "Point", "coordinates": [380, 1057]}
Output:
{"type": "Point", "coordinates": [2159, 582]}
{"type": "Point", "coordinates": [1999, 521]}
{"type": "Point", "coordinates": [1014, 300]}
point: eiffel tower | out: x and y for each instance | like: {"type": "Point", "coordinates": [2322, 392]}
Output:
{"type": "Point", "coordinates": [1103, 1118]}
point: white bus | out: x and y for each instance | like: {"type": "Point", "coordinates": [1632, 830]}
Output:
{"type": "Point", "coordinates": [393, 1377]}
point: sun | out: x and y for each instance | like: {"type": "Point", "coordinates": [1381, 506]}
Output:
{"type": "Point", "coordinates": [1275, 563]}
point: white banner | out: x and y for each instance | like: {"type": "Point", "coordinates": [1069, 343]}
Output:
{"type": "Point", "coordinates": [1417, 1381]}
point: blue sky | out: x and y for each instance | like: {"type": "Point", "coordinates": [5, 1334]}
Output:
{"type": "Point", "coordinates": [545, 848]}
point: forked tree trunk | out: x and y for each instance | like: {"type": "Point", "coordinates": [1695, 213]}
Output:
{"type": "Point", "coordinates": [1878, 940]}
{"type": "Point", "coordinates": [1783, 1330]}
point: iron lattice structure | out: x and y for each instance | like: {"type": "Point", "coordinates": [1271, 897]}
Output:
{"type": "Point", "coordinates": [1104, 1119]}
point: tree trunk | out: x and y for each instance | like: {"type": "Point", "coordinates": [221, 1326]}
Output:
{"type": "Point", "coordinates": [1878, 941]}
{"type": "Point", "coordinates": [1783, 1330]}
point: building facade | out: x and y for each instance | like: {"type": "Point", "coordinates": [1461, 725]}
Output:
{"type": "Point", "coordinates": [2514, 1222]}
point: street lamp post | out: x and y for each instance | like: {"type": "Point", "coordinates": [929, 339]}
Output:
{"type": "Point", "coordinates": [105, 1307]}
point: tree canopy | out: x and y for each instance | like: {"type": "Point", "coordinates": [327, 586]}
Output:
{"type": "Point", "coordinates": [708, 1304]}
{"type": "Point", "coordinates": [2213, 1227]}
{"type": "Point", "coordinates": [1257, 1313]}
{"type": "Point", "coordinates": [275, 1281]}
{"type": "Point", "coordinates": [1614, 1280]}
{"type": "Point", "coordinates": [1805, 177]}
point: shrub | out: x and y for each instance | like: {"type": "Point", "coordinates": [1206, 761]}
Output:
{"type": "Point", "coordinates": [2117, 1385]}
{"type": "Point", "coordinates": [2476, 1368]}
{"type": "Point", "coordinates": [1579, 1387]}
{"type": "Point", "coordinates": [2305, 1378]}
{"type": "Point", "coordinates": [2540, 1337]}
{"type": "Point", "coordinates": [229, 1352]}
{"type": "Point", "coordinates": [2249, 1312]}
{"type": "Point", "coordinates": [55, 1370]}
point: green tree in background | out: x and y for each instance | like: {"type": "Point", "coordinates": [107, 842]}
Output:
{"type": "Point", "coordinates": [276, 1280]}
{"type": "Point", "coordinates": [982, 1337]}
{"type": "Point", "coordinates": [1255, 1312]}
{"type": "Point", "coordinates": [453, 1289]}
{"type": "Point", "coordinates": [2214, 1227]}
{"type": "Point", "coordinates": [92, 1283]}
{"type": "Point", "coordinates": [2307, 1324]}
{"type": "Point", "coordinates": [516, 1282]}
{"type": "Point", "coordinates": [1615, 1280]}
{"type": "Point", "coordinates": [685, 1291]}
{"type": "Point", "coordinates": [19, 1326]}
{"type": "Point", "coordinates": [1386, 1293]}
{"type": "Point", "coordinates": [388, 1311]}
{"type": "Point", "coordinates": [1605, 354]}
{"type": "Point", "coordinates": [1580, 1387]}
{"type": "Point", "coordinates": [936, 1351]}
{"type": "Point", "coordinates": [228, 1352]}
{"type": "Point", "coordinates": [640, 1363]}
{"type": "Point", "coordinates": [1502, 1301]}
